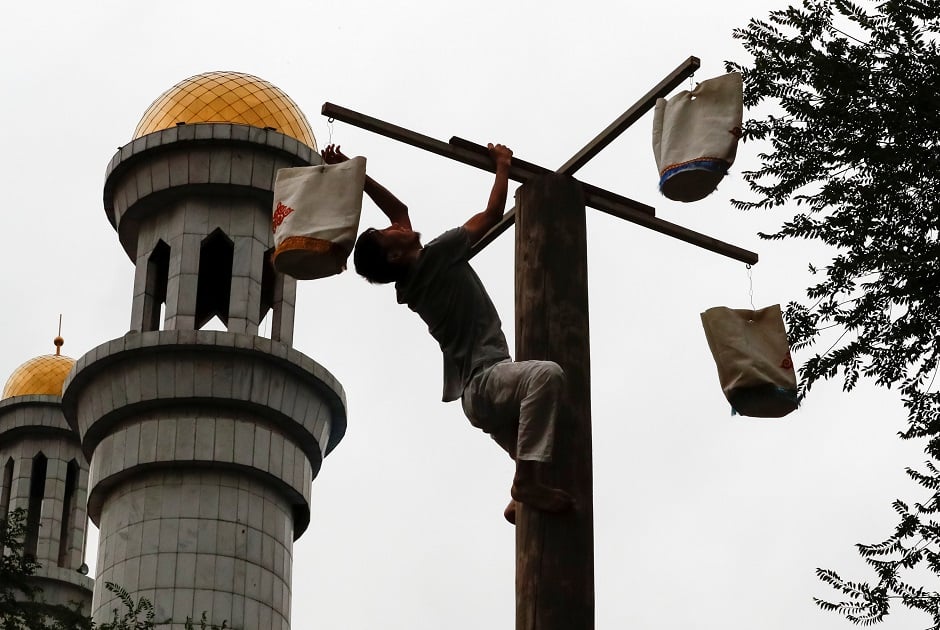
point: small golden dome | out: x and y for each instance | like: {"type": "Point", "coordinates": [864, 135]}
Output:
{"type": "Point", "coordinates": [227, 97]}
{"type": "Point", "coordinates": [42, 375]}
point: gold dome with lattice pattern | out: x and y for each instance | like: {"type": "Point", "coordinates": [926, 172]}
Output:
{"type": "Point", "coordinates": [227, 97]}
{"type": "Point", "coordinates": [43, 375]}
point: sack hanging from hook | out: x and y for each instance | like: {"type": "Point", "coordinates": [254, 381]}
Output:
{"type": "Point", "coordinates": [695, 137]}
{"type": "Point", "coordinates": [752, 354]}
{"type": "Point", "coordinates": [316, 216]}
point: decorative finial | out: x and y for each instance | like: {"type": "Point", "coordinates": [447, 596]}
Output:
{"type": "Point", "coordinates": [59, 341]}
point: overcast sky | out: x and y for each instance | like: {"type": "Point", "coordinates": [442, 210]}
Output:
{"type": "Point", "coordinates": [703, 520]}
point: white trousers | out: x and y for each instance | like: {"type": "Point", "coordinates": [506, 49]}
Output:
{"type": "Point", "coordinates": [517, 404]}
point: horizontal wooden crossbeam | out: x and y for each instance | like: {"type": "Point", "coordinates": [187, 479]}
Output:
{"type": "Point", "coordinates": [520, 170]}
{"type": "Point", "coordinates": [659, 225]}
{"type": "Point", "coordinates": [594, 197]}
{"type": "Point", "coordinates": [616, 205]}
{"type": "Point", "coordinates": [675, 78]}
{"type": "Point", "coordinates": [517, 171]}
{"type": "Point", "coordinates": [614, 129]}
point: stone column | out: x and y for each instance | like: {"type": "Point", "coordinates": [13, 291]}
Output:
{"type": "Point", "coordinates": [204, 446]}
{"type": "Point", "coordinates": [192, 208]}
{"type": "Point", "coordinates": [45, 472]}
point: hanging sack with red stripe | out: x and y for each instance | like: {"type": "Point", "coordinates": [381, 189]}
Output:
{"type": "Point", "coordinates": [316, 216]}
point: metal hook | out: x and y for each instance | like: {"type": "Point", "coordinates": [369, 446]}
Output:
{"type": "Point", "coordinates": [750, 286]}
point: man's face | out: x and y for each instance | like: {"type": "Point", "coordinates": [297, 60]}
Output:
{"type": "Point", "coordinates": [397, 237]}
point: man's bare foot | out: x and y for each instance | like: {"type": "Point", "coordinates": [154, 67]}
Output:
{"type": "Point", "coordinates": [510, 512]}
{"type": "Point", "coordinates": [541, 497]}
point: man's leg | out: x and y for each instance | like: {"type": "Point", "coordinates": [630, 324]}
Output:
{"type": "Point", "coordinates": [521, 402]}
{"type": "Point", "coordinates": [475, 408]}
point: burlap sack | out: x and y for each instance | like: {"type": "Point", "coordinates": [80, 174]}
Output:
{"type": "Point", "coordinates": [752, 354]}
{"type": "Point", "coordinates": [316, 216]}
{"type": "Point", "coordinates": [695, 137]}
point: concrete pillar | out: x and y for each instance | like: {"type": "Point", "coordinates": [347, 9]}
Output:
{"type": "Point", "coordinates": [177, 188]}
{"type": "Point", "coordinates": [203, 444]}
{"type": "Point", "coordinates": [204, 447]}
{"type": "Point", "coordinates": [30, 427]}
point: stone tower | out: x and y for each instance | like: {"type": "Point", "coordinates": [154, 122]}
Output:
{"type": "Point", "coordinates": [204, 444]}
{"type": "Point", "coordinates": [44, 472]}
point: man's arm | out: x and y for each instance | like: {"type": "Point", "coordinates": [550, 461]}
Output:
{"type": "Point", "coordinates": [482, 222]}
{"type": "Point", "coordinates": [389, 204]}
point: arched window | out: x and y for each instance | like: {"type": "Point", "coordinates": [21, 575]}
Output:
{"type": "Point", "coordinates": [68, 513]}
{"type": "Point", "coordinates": [214, 287]}
{"type": "Point", "coordinates": [158, 271]}
{"type": "Point", "coordinates": [37, 490]}
{"type": "Point", "coordinates": [269, 278]}
{"type": "Point", "coordinates": [6, 489]}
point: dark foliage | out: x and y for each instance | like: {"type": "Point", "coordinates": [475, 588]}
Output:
{"type": "Point", "coordinates": [21, 606]}
{"type": "Point", "coordinates": [845, 98]}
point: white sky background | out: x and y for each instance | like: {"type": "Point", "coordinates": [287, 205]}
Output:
{"type": "Point", "coordinates": [703, 520]}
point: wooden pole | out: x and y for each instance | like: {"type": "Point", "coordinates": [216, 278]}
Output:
{"type": "Point", "coordinates": [555, 552]}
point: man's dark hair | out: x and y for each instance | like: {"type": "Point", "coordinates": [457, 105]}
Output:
{"type": "Point", "coordinates": [371, 259]}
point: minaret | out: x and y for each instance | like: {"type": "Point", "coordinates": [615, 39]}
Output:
{"type": "Point", "coordinates": [204, 444]}
{"type": "Point", "coordinates": [44, 472]}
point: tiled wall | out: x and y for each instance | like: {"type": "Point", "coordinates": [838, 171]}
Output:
{"type": "Point", "coordinates": [30, 426]}
{"type": "Point", "coordinates": [194, 541]}
{"type": "Point", "coordinates": [204, 448]}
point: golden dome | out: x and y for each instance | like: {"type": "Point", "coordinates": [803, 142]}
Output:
{"type": "Point", "coordinates": [227, 97]}
{"type": "Point", "coordinates": [42, 375]}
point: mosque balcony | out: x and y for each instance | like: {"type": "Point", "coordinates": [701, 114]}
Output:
{"type": "Point", "coordinates": [156, 171]}
{"type": "Point", "coordinates": [209, 400]}
{"type": "Point", "coordinates": [33, 415]}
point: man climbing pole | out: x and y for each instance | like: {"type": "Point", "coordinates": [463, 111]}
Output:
{"type": "Point", "coordinates": [516, 403]}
